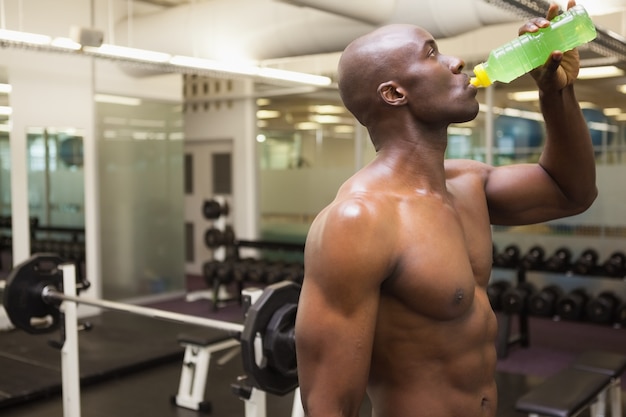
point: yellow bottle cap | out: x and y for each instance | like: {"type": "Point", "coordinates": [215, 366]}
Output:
{"type": "Point", "coordinates": [481, 79]}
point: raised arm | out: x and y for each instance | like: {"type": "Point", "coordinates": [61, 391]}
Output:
{"type": "Point", "coordinates": [563, 183]}
{"type": "Point", "coordinates": [338, 308]}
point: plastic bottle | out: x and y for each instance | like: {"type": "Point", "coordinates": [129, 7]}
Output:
{"type": "Point", "coordinates": [531, 50]}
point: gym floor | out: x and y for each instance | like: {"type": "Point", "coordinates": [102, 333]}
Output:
{"type": "Point", "coordinates": [146, 389]}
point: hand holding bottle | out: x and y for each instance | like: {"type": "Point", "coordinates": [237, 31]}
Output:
{"type": "Point", "coordinates": [541, 44]}
{"type": "Point", "coordinates": [562, 68]}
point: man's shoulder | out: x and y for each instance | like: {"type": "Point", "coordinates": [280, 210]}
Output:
{"type": "Point", "coordinates": [457, 168]}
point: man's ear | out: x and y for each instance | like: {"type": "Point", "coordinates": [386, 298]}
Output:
{"type": "Point", "coordinates": [392, 93]}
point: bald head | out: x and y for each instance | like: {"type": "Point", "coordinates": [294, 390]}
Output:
{"type": "Point", "coordinates": [371, 60]}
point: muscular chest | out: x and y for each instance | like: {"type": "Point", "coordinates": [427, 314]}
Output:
{"type": "Point", "coordinates": [447, 256]}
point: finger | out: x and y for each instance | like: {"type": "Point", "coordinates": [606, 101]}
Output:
{"type": "Point", "coordinates": [534, 25]}
{"type": "Point", "coordinates": [553, 10]}
{"type": "Point", "coordinates": [570, 4]}
{"type": "Point", "coordinates": [554, 61]}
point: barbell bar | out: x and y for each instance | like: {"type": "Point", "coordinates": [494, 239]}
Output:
{"type": "Point", "coordinates": [50, 293]}
{"type": "Point", "coordinates": [32, 299]}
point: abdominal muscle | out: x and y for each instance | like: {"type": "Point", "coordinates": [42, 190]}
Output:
{"type": "Point", "coordinates": [434, 368]}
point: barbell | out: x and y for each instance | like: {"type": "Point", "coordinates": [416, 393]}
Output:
{"type": "Point", "coordinates": [33, 294]}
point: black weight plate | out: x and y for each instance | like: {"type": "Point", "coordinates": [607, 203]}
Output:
{"type": "Point", "coordinates": [279, 345]}
{"type": "Point", "coordinates": [23, 292]}
{"type": "Point", "coordinates": [258, 318]}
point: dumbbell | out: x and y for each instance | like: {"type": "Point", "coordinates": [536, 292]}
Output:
{"type": "Point", "coordinates": [534, 258]}
{"type": "Point", "coordinates": [275, 272]}
{"type": "Point", "coordinates": [214, 237]}
{"type": "Point", "coordinates": [572, 306]}
{"type": "Point", "coordinates": [509, 258]}
{"type": "Point", "coordinates": [515, 299]}
{"type": "Point", "coordinates": [257, 271]}
{"type": "Point", "coordinates": [586, 263]}
{"type": "Point", "coordinates": [212, 209]}
{"type": "Point", "coordinates": [559, 261]}
{"type": "Point", "coordinates": [543, 303]}
{"type": "Point", "coordinates": [602, 308]}
{"type": "Point", "coordinates": [495, 292]}
{"type": "Point", "coordinates": [294, 271]}
{"type": "Point", "coordinates": [615, 265]}
{"type": "Point", "coordinates": [209, 271]}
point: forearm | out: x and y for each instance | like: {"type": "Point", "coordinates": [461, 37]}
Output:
{"type": "Point", "coordinates": [568, 155]}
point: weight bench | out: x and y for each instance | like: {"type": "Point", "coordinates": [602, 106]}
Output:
{"type": "Point", "coordinates": [581, 386]}
{"type": "Point", "coordinates": [611, 364]}
{"type": "Point", "coordinates": [195, 369]}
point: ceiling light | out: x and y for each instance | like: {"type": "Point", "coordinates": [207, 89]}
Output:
{"type": "Point", "coordinates": [298, 77]}
{"type": "Point", "coordinates": [307, 126]}
{"type": "Point", "coordinates": [327, 109]}
{"type": "Point", "coordinates": [326, 119]}
{"type": "Point", "coordinates": [524, 96]}
{"type": "Point", "coordinates": [5, 111]}
{"type": "Point", "coordinates": [621, 88]}
{"type": "Point", "coordinates": [612, 111]}
{"type": "Point", "coordinates": [344, 129]}
{"type": "Point", "coordinates": [30, 38]}
{"type": "Point", "coordinates": [165, 62]}
{"type": "Point", "coordinates": [263, 102]}
{"type": "Point", "coordinates": [5, 88]}
{"type": "Point", "coordinates": [111, 99]}
{"type": "Point", "coordinates": [116, 51]}
{"type": "Point", "coordinates": [600, 72]}
{"type": "Point", "coordinates": [66, 43]}
{"type": "Point", "coordinates": [620, 117]}
{"type": "Point", "coordinates": [267, 114]}
{"type": "Point", "coordinates": [461, 131]}
{"type": "Point", "coordinates": [209, 64]}
{"type": "Point", "coordinates": [261, 138]}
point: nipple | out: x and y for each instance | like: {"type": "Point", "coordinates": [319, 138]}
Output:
{"type": "Point", "coordinates": [458, 296]}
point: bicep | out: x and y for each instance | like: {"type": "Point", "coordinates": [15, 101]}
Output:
{"type": "Point", "coordinates": [333, 349]}
{"type": "Point", "coordinates": [345, 264]}
{"type": "Point", "coordinates": [523, 194]}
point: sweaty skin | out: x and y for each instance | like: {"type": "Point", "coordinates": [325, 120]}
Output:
{"type": "Point", "coordinates": [394, 303]}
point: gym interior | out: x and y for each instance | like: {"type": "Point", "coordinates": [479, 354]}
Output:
{"type": "Point", "coordinates": [174, 153]}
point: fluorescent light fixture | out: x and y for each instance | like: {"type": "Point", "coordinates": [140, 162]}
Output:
{"type": "Point", "coordinates": [130, 53]}
{"type": "Point", "coordinates": [112, 99]}
{"type": "Point", "coordinates": [532, 95]}
{"type": "Point", "coordinates": [344, 129]}
{"type": "Point", "coordinates": [5, 127]}
{"type": "Point", "coordinates": [5, 88]}
{"type": "Point", "coordinates": [606, 71]}
{"type": "Point", "coordinates": [621, 88]}
{"type": "Point", "coordinates": [307, 126]}
{"type": "Point", "coordinates": [298, 77]}
{"type": "Point", "coordinates": [267, 114]}
{"type": "Point", "coordinates": [211, 65]}
{"type": "Point", "coordinates": [31, 38]}
{"type": "Point", "coordinates": [326, 119]}
{"type": "Point", "coordinates": [621, 117]}
{"type": "Point", "coordinates": [461, 131]}
{"type": "Point", "coordinates": [5, 111]}
{"type": "Point", "coordinates": [263, 102]}
{"type": "Point", "coordinates": [66, 43]}
{"type": "Point", "coordinates": [612, 111]}
{"type": "Point", "coordinates": [26, 39]}
{"type": "Point", "coordinates": [327, 109]}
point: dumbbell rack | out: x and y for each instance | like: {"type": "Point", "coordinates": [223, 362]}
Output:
{"type": "Point", "coordinates": [505, 339]}
{"type": "Point", "coordinates": [533, 261]}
